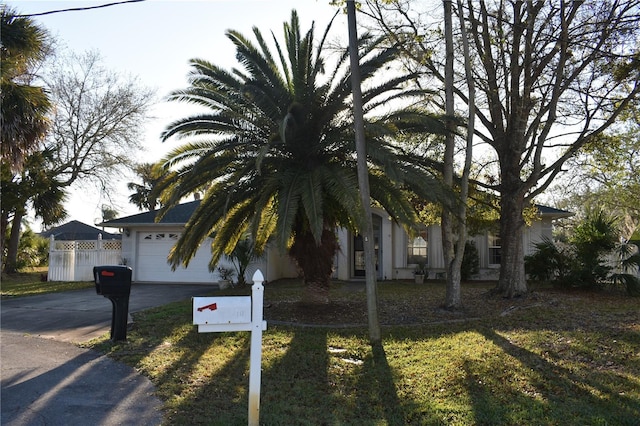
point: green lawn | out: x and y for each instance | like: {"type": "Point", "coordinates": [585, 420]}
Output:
{"type": "Point", "coordinates": [33, 282]}
{"type": "Point", "coordinates": [554, 358]}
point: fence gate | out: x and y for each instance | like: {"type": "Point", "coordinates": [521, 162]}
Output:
{"type": "Point", "coordinates": [74, 260]}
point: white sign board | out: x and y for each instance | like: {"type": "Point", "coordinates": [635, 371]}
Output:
{"type": "Point", "coordinates": [222, 310]}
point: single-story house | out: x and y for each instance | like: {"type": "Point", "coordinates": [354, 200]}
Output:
{"type": "Point", "coordinates": [146, 245]}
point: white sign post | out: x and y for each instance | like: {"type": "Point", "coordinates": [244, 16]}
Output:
{"type": "Point", "coordinates": [238, 313]}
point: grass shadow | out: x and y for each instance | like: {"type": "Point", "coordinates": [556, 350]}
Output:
{"type": "Point", "coordinates": [296, 388]}
{"type": "Point", "coordinates": [377, 388]}
{"type": "Point", "coordinates": [199, 376]}
{"type": "Point", "coordinates": [214, 384]}
{"type": "Point", "coordinates": [550, 388]}
{"type": "Point", "coordinates": [496, 365]}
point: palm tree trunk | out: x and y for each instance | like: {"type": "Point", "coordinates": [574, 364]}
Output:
{"type": "Point", "coordinates": [316, 262]}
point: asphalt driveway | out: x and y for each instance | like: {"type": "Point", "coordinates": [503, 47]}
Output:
{"type": "Point", "coordinates": [81, 315]}
{"type": "Point", "coordinates": [48, 380]}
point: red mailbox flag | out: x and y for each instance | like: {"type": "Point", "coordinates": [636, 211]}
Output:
{"type": "Point", "coordinates": [212, 306]}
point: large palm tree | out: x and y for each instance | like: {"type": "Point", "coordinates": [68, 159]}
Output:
{"type": "Point", "coordinates": [24, 106]}
{"type": "Point", "coordinates": [274, 152]}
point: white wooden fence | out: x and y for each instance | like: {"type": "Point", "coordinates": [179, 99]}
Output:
{"type": "Point", "coordinates": [74, 260]}
{"type": "Point", "coordinates": [613, 261]}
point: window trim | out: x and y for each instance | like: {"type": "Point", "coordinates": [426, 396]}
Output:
{"type": "Point", "coordinates": [492, 238]}
{"type": "Point", "coordinates": [409, 247]}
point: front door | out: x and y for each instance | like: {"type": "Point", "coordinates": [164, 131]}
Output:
{"type": "Point", "coordinates": [358, 249]}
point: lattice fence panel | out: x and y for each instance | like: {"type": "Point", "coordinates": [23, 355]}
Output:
{"type": "Point", "coordinates": [112, 245]}
{"type": "Point", "coordinates": [86, 245]}
{"type": "Point", "coordinates": [65, 245]}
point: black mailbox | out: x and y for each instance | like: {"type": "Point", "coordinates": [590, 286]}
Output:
{"type": "Point", "coordinates": [114, 283]}
{"type": "Point", "coordinates": [112, 280]}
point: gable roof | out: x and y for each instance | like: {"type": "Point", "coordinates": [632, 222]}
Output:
{"type": "Point", "coordinates": [75, 230]}
{"type": "Point", "coordinates": [553, 212]}
{"type": "Point", "coordinates": [178, 215]}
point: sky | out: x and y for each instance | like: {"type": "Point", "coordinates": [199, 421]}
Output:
{"type": "Point", "coordinates": [154, 40]}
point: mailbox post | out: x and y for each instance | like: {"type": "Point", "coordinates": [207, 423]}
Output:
{"type": "Point", "coordinates": [238, 313]}
{"type": "Point", "coordinates": [114, 283]}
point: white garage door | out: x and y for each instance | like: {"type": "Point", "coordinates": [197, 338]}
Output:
{"type": "Point", "coordinates": [151, 265]}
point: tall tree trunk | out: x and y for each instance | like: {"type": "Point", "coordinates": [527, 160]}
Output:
{"type": "Point", "coordinates": [14, 240]}
{"type": "Point", "coordinates": [4, 225]}
{"type": "Point", "coordinates": [471, 126]}
{"type": "Point", "coordinates": [363, 178]}
{"type": "Point", "coordinates": [449, 221]}
{"type": "Point", "coordinates": [512, 281]}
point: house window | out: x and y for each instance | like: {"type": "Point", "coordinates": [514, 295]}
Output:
{"type": "Point", "coordinates": [417, 249]}
{"type": "Point", "coordinates": [495, 249]}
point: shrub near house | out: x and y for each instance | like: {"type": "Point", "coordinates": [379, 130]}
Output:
{"type": "Point", "coordinates": [594, 258]}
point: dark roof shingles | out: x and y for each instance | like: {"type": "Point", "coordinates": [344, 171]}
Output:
{"type": "Point", "coordinates": [179, 214]}
{"type": "Point", "coordinates": [76, 230]}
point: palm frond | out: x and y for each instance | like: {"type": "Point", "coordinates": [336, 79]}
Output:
{"type": "Point", "coordinates": [230, 231]}
{"type": "Point", "coordinates": [287, 205]}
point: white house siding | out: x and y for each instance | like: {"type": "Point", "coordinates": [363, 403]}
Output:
{"type": "Point", "coordinates": [273, 265]}
{"type": "Point", "coordinates": [482, 244]}
{"type": "Point", "coordinates": [148, 257]}
{"type": "Point", "coordinates": [435, 251]}
{"type": "Point", "coordinates": [400, 270]}
{"type": "Point", "coordinates": [341, 267]}
{"type": "Point", "coordinates": [385, 269]}
{"type": "Point", "coordinates": [399, 253]}
{"type": "Point", "coordinates": [536, 233]}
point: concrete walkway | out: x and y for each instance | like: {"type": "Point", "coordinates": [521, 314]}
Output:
{"type": "Point", "coordinates": [47, 380]}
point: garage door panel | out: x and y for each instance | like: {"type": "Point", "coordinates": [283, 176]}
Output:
{"type": "Point", "coordinates": [155, 250]}
{"type": "Point", "coordinates": [152, 251]}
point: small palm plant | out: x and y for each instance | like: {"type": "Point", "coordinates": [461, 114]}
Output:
{"type": "Point", "coordinates": [595, 257]}
{"type": "Point", "coordinates": [241, 256]}
{"type": "Point", "coordinates": [627, 273]}
{"type": "Point", "coordinates": [274, 152]}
